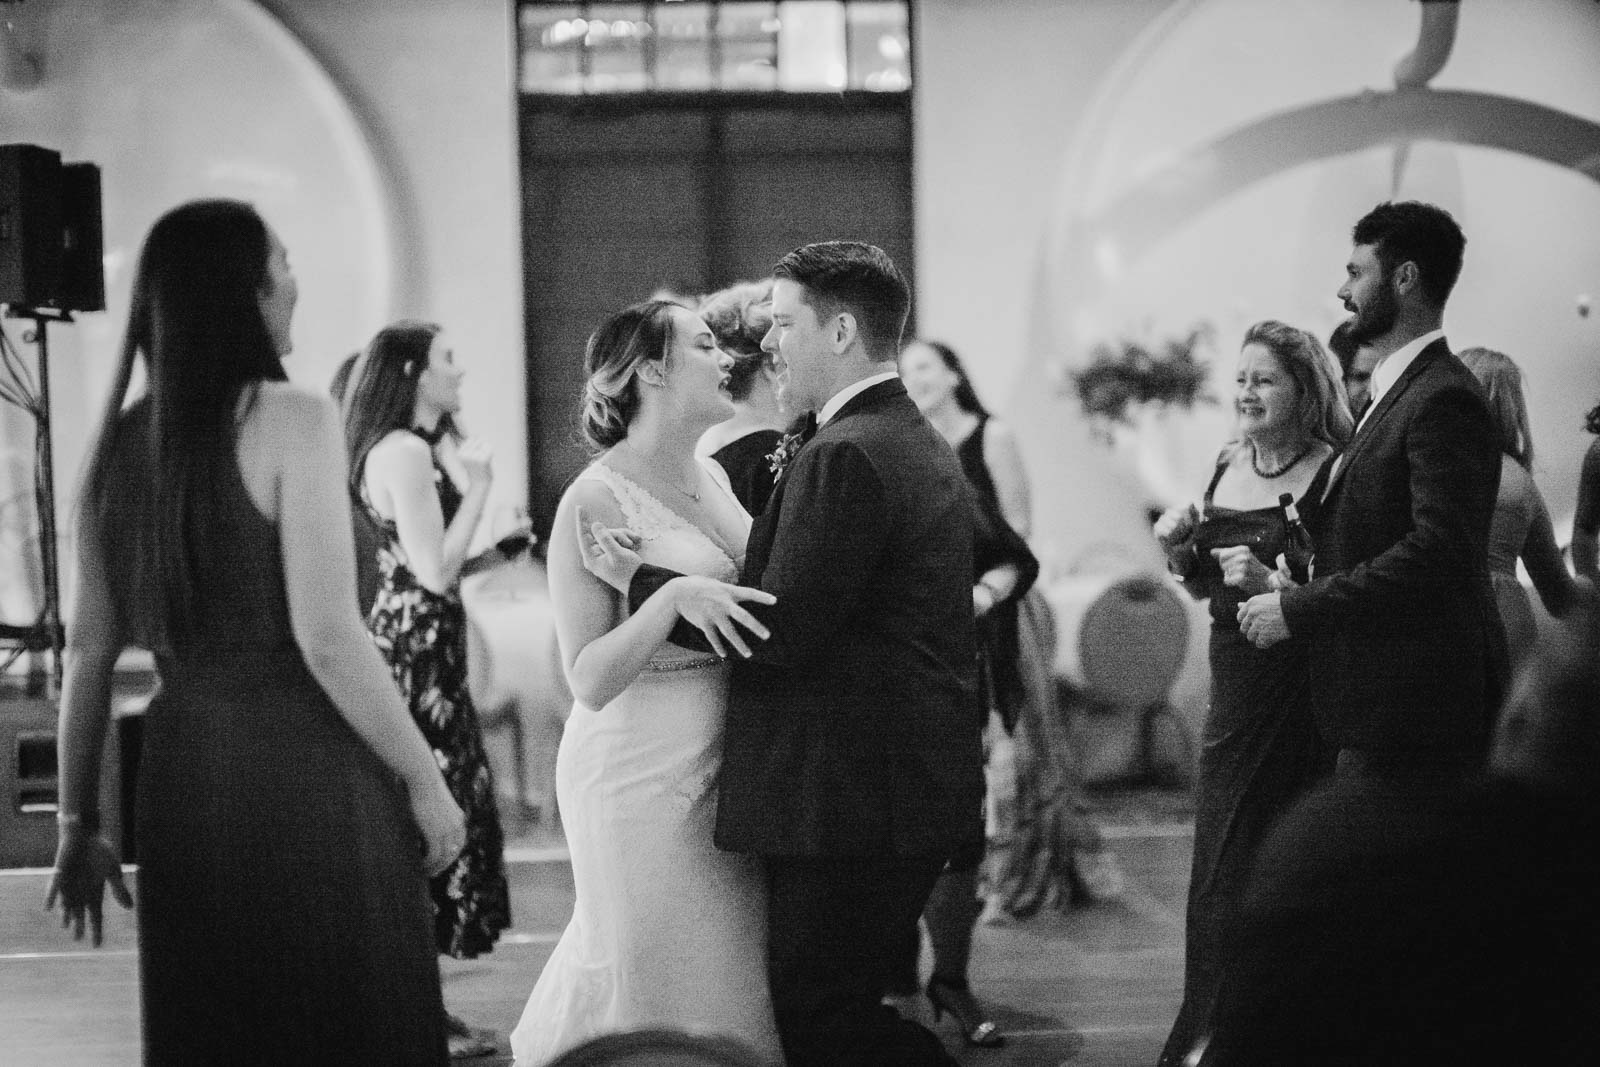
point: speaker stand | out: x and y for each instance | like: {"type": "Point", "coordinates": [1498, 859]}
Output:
{"type": "Point", "coordinates": [53, 637]}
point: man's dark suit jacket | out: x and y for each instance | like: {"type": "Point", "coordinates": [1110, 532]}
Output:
{"type": "Point", "coordinates": [854, 730]}
{"type": "Point", "coordinates": [1406, 652]}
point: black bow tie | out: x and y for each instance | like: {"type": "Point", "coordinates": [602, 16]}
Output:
{"type": "Point", "coordinates": [805, 427]}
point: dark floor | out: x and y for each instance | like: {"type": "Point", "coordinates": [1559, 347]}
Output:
{"type": "Point", "coordinates": [1095, 987]}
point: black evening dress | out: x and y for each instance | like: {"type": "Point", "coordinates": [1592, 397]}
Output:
{"type": "Point", "coordinates": [422, 635]}
{"type": "Point", "coordinates": [994, 544]}
{"type": "Point", "coordinates": [283, 910]}
{"type": "Point", "coordinates": [1258, 752]}
{"type": "Point", "coordinates": [749, 468]}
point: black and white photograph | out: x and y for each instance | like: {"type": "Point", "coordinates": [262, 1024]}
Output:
{"type": "Point", "coordinates": [799, 533]}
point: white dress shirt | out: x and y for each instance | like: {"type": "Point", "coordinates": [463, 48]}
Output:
{"type": "Point", "coordinates": [1389, 369]}
{"type": "Point", "coordinates": [842, 397]}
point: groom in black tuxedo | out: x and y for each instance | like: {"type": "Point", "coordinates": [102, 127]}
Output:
{"type": "Point", "coordinates": [852, 763]}
{"type": "Point", "coordinates": [1407, 659]}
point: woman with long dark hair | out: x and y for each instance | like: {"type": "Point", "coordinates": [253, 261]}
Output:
{"type": "Point", "coordinates": [426, 487]}
{"type": "Point", "coordinates": [283, 909]}
{"type": "Point", "coordinates": [1004, 572]}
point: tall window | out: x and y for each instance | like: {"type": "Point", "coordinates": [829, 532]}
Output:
{"type": "Point", "coordinates": [666, 46]}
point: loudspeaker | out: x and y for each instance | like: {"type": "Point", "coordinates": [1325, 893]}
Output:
{"type": "Point", "coordinates": [29, 784]}
{"type": "Point", "coordinates": [30, 225]}
{"type": "Point", "coordinates": [83, 274]}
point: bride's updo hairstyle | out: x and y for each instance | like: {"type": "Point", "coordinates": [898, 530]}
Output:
{"type": "Point", "coordinates": [612, 359]}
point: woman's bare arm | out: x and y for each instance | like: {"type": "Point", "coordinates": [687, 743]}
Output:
{"type": "Point", "coordinates": [601, 651]}
{"type": "Point", "coordinates": [1004, 459]}
{"type": "Point", "coordinates": [296, 435]}
{"type": "Point", "coordinates": [399, 472]}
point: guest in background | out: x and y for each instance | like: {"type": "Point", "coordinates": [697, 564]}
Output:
{"type": "Point", "coordinates": [283, 909]}
{"type": "Point", "coordinates": [939, 384]}
{"type": "Point", "coordinates": [1356, 360]}
{"type": "Point", "coordinates": [1405, 654]}
{"type": "Point", "coordinates": [1521, 526]}
{"type": "Point", "coordinates": [740, 317]}
{"type": "Point", "coordinates": [426, 489]}
{"type": "Point", "coordinates": [1004, 571]}
{"type": "Point", "coordinates": [1042, 843]}
{"type": "Point", "coordinates": [368, 537]}
{"type": "Point", "coordinates": [1586, 519]}
{"type": "Point", "coordinates": [1406, 658]}
{"type": "Point", "coordinates": [1258, 745]}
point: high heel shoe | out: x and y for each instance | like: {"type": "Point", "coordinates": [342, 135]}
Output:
{"type": "Point", "coordinates": [956, 998]}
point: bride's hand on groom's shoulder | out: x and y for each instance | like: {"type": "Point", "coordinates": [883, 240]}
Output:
{"type": "Point", "coordinates": [608, 554]}
{"type": "Point", "coordinates": [717, 610]}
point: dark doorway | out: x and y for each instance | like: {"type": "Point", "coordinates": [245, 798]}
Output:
{"type": "Point", "coordinates": [624, 197]}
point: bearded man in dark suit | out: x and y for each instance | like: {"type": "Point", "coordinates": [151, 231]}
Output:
{"type": "Point", "coordinates": [1407, 662]}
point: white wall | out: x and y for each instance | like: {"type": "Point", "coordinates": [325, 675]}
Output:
{"type": "Point", "coordinates": [433, 82]}
{"type": "Point", "coordinates": [1000, 91]}
{"type": "Point", "coordinates": [1033, 115]}
{"type": "Point", "coordinates": [377, 136]}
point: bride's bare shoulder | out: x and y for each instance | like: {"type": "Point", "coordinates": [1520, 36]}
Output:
{"type": "Point", "coordinates": [595, 497]}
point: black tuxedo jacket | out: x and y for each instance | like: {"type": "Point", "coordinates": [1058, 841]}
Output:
{"type": "Point", "coordinates": [1406, 651]}
{"type": "Point", "coordinates": [854, 730]}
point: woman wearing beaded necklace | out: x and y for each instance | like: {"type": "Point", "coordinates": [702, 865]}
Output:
{"type": "Point", "coordinates": [1258, 745]}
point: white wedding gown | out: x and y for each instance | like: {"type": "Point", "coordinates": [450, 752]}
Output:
{"type": "Point", "coordinates": [666, 930]}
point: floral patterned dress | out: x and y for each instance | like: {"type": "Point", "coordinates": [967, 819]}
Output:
{"type": "Point", "coordinates": [423, 637]}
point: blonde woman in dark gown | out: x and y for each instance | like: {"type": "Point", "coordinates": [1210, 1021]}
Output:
{"type": "Point", "coordinates": [1259, 747]}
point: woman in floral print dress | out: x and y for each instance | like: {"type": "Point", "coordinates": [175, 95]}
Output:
{"type": "Point", "coordinates": [400, 432]}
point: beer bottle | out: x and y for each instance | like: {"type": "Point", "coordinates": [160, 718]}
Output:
{"type": "Point", "coordinates": [1298, 551]}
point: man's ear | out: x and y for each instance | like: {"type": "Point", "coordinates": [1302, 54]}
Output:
{"type": "Point", "coordinates": [845, 331]}
{"type": "Point", "coordinates": [1406, 277]}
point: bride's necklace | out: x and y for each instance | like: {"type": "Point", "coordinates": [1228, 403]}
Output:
{"type": "Point", "coordinates": [695, 495]}
{"type": "Point", "coordinates": [1255, 463]}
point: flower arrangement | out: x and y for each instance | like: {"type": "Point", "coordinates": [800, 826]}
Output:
{"type": "Point", "coordinates": [1130, 374]}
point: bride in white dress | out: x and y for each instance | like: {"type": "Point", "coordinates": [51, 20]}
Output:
{"type": "Point", "coordinates": [666, 930]}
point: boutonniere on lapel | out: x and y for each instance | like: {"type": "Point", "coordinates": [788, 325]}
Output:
{"type": "Point", "coordinates": [779, 458]}
{"type": "Point", "coordinates": [790, 444]}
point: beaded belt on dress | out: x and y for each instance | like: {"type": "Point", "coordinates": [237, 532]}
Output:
{"type": "Point", "coordinates": [662, 665]}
